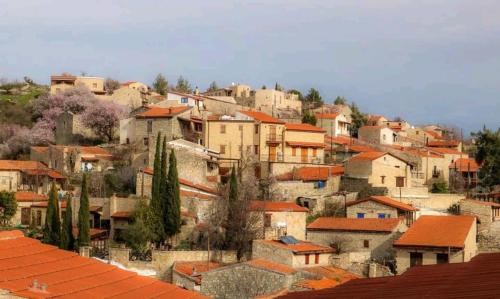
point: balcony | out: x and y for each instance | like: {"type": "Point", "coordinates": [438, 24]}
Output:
{"type": "Point", "coordinates": [273, 139]}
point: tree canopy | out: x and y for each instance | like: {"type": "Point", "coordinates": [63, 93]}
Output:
{"type": "Point", "coordinates": [183, 85]}
{"type": "Point", "coordinates": [488, 156]}
{"type": "Point", "coordinates": [83, 215]}
{"type": "Point", "coordinates": [52, 228]}
{"type": "Point", "coordinates": [213, 86]}
{"type": "Point", "coordinates": [67, 238]}
{"type": "Point", "coordinates": [313, 98]}
{"type": "Point", "coordinates": [8, 207]}
{"type": "Point", "coordinates": [160, 84]}
{"type": "Point", "coordinates": [309, 118]}
{"type": "Point", "coordinates": [340, 101]}
{"type": "Point", "coordinates": [359, 119]}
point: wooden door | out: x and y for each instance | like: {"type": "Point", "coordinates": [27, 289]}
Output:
{"type": "Point", "coordinates": [272, 153]}
{"type": "Point", "coordinates": [25, 216]}
{"type": "Point", "coordinates": [303, 154]}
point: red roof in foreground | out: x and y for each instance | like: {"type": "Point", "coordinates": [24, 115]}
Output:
{"type": "Point", "coordinates": [355, 224]}
{"type": "Point", "coordinates": [276, 206]}
{"type": "Point", "coordinates": [311, 173]}
{"type": "Point", "coordinates": [68, 275]}
{"type": "Point", "coordinates": [23, 196]}
{"type": "Point", "coordinates": [262, 117]}
{"type": "Point", "coordinates": [20, 165]}
{"type": "Point", "coordinates": [465, 165]}
{"type": "Point", "coordinates": [303, 127]}
{"type": "Point", "coordinates": [385, 201]}
{"type": "Point", "coordinates": [158, 112]}
{"type": "Point", "coordinates": [300, 248]}
{"type": "Point", "coordinates": [438, 231]}
{"type": "Point", "coordinates": [476, 279]}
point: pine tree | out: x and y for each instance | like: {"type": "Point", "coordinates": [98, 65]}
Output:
{"type": "Point", "coordinates": [52, 228]}
{"type": "Point", "coordinates": [160, 85]}
{"type": "Point", "coordinates": [67, 238]}
{"type": "Point", "coordinates": [83, 215]}
{"type": "Point", "coordinates": [173, 204]}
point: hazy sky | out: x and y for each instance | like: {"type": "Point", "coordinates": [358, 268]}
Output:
{"type": "Point", "coordinates": [426, 61]}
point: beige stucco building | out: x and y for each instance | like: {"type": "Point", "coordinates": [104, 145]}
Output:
{"type": "Point", "coordinates": [335, 124]}
{"type": "Point", "coordinates": [377, 135]}
{"type": "Point", "coordinates": [59, 83]}
{"type": "Point", "coordinates": [435, 240]}
{"type": "Point", "coordinates": [381, 207]}
{"type": "Point", "coordinates": [277, 219]}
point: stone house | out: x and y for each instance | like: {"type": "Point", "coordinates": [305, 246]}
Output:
{"type": "Point", "coordinates": [452, 144]}
{"type": "Point", "coordinates": [304, 144]}
{"type": "Point", "coordinates": [437, 240]}
{"type": "Point", "coordinates": [379, 169]}
{"type": "Point", "coordinates": [121, 214]}
{"type": "Point", "coordinates": [311, 186]}
{"type": "Point", "coordinates": [279, 219]}
{"type": "Point", "coordinates": [188, 275]}
{"type": "Point", "coordinates": [376, 120]}
{"type": "Point", "coordinates": [335, 124]}
{"type": "Point", "coordinates": [377, 135]}
{"type": "Point", "coordinates": [371, 235]}
{"type": "Point", "coordinates": [381, 207]}
{"type": "Point", "coordinates": [334, 109]}
{"type": "Point", "coordinates": [59, 83]}
{"type": "Point", "coordinates": [19, 175]}
{"type": "Point", "coordinates": [24, 201]}
{"type": "Point", "coordinates": [465, 169]}
{"type": "Point", "coordinates": [132, 98]}
{"type": "Point", "coordinates": [344, 152]}
{"type": "Point", "coordinates": [486, 212]}
{"type": "Point", "coordinates": [190, 100]}
{"type": "Point", "coordinates": [450, 156]}
{"type": "Point", "coordinates": [136, 85]}
{"type": "Point", "coordinates": [70, 129]}
{"type": "Point", "coordinates": [38, 212]}
{"type": "Point", "coordinates": [296, 255]}
{"type": "Point", "coordinates": [251, 279]}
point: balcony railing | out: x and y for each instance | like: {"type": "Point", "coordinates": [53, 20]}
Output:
{"type": "Point", "coordinates": [273, 139]}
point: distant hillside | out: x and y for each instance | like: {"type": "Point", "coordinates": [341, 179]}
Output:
{"type": "Point", "coordinates": [15, 102]}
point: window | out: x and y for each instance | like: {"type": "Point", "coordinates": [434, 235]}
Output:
{"type": "Point", "coordinates": [316, 258]}
{"type": "Point", "coordinates": [267, 220]}
{"type": "Point", "coordinates": [381, 215]}
{"type": "Point", "coordinates": [400, 181]}
{"type": "Point", "coordinates": [366, 243]}
{"type": "Point", "coordinates": [184, 100]}
{"type": "Point", "coordinates": [294, 151]}
{"type": "Point", "coordinates": [441, 258]}
{"type": "Point", "coordinates": [223, 129]}
{"type": "Point", "coordinates": [256, 149]}
{"type": "Point", "coordinates": [150, 126]}
{"type": "Point", "coordinates": [360, 215]}
{"type": "Point", "coordinates": [315, 152]}
{"type": "Point", "coordinates": [415, 259]}
{"type": "Point", "coordinates": [25, 216]}
{"type": "Point", "coordinates": [146, 141]}
{"type": "Point", "coordinates": [382, 179]}
{"type": "Point", "coordinates": [94, 85]}
{"type": "Point", "coordinates": [222, 149]}
{"type": "Point", "coordinates": [307, 259]}
{"type": "Point", "coordinates": [240, 128]}
{"type": "Point", "coordinates": [198, 127]}
{"type": "Point", "coordinates": [256, 129]}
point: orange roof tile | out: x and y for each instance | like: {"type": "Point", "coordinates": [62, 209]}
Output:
{"type": "Point", "coordinates": [305, 144]}
{"type": "Point", "coordinates": [360, 148]}
{"type": "Point", "coordinates": [343, 140]}
{"type": "Point", "coordinates": [332, 272]}
{"type": "Point", "coordinates": [445, 150]}
{"type": "Point", "coordinates": [94, 150]}
{"type": "Point", "coordinates": [158, 112]}
{"type": "Point", "coordinates": [40, 149]}
{"type": "Point", "coordinates": [300, 248]}
{"type": "Point", "coordinates": [311, 173]}
{"type": "Point", "coordinates": [44, 204]}
{"type": "Point", "coordinates": [433, 134]}
{"type": "Point", "coordinates": [465, 165]}
{"type": "Point", "coordinates": [276, 206]}
{"type": "Point", "coordinates": [23, 196]}
{"type": "Point", "coordinates": [187, 268]}
{"type": "Point", "coordinates": [438, 231]}
{"type": "Point", "coordinates": [327, 115]}
{"type": "Point", "coordinates": [20, 165]}
{"type": "Point", "coordinates": [367, 156]}
{"type": "Point", "coordinates": [122, 214]}
{"type": "Point", "coordinates": [317, 284]}
{"type": "Point", "coordinates": [68, 275]}
{"type": "Point", "coordinates": [303, 127]}
{"type": "Point", "coordinates": [262, 117]}
{"type": "Point", "coordinates": [443, 143]}
{"type": "Point", "coordinates": [268, 265]}
{"type": "Point", "coordinates": [355, 224]}
{"type": "Point", "coordinates": [373, 127]}
{"type": "Point", "coordinates": [385, 201]}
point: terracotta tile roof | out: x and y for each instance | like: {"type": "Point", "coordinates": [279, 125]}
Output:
{"type": "Point", "coordinates": [437, 231]}
{"type": "Point", "coordinates": [360, 148]}
{"type": "Point", "coordinates": [158, 112]}
{"type": "Point", "coordinates": [332, 272]}
{"type": "Point", "coordinates": [443, 143]}
{"type": "Point", "coordinates": [199, 195]}
{"type": "Point", "coordinates": [343, 140]}
{"type": "Point", "coordinates": [305, 144]}
{"type": "Point", "coordinates": [94, 232]}
{"type": "Point", "coordinates": [44, 171]}
{"type": "Point", "coordinates": [327, 115]}
{"type": "Point", "coordinates": [68, 275]}
{"type": "Point", "coordinates": [95, 208]}
{"type": "Point", "coordinates": [303, 127]}
{"type": "Point", "coordinates": [302, 247]}
{"type": "Point", "coordinates": [465, 165]}
{"type": "Point", "coordinates": [433, 134]}
{"type": "Point", "coordinates": [385, 201]}
{"type": "Point", "coordinates": [149, 170]}
{"type": "Point", "coordinates": [483, 203]}
{"type": "Point", "coordinates": [268, 265]}
{"type": "Point", "coordinates": [40, 149]}
{"type": "Point", "coordinates": [355, 224]}
{"type": "Point", "coordinates": [367, 156]}
{"type": "Point", "coordinates": [445, 150]}
{"type": "Point", "coordinates": [94, 150]}
{"type": "Point", "coordinates": [421, 152]}
{"type": "Point", "coordinates": [316, 284]}
{"type": "Point", "coordinates": [262, 117]}
{"type": "Point", "coordinates": [476, 279]}
{"type": "Point", "coordinates": [44, 204]}
{"type": "Point", "coordinates": [20, 165]}
{"type": "Point", "coordinates": [186, 268]}
{"type": "Point", "coordinates": [122, 214]}
{"type": "Point", "coordinates": [276, 206]}
{"type": "Point", "coordinates": [23, 196]}
{"type": "Point", "coordinates": [311, 174]}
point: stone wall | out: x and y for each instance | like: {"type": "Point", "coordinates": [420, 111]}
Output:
{"type": "Point", "coordinates": [371, 209]}
{"type": "Point", "coordinates": [482, 212]}
{"type": "Point", "coordinates": [272, 253]}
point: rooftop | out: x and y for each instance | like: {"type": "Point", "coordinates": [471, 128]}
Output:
{"type": "Point", "coordinates": [20, 165]}
{"type": "Point", "coordinates": [443, 143]}
{"type": "Point", "coordinates": [276, 206]}
{"type": "Point", "coordinates": [438, 231]}
{"type": "Point", "coordinates": [446, 150]}
{"type": "Point", "coordinates": [483, 203]}
{"type": "Point", "coordinates": [194, 269]}
{"type": "Point", "coordinates": [302, 247]}
{"type": "Point", "coordinates": [262, 117]}
{"type": "Point", "coordinates": [303, 127]}
{"type": "Point", "coordinates": [386, 201]}
{"type": "Point", "coordinates": [158, 112]}
{"type": "Point", "coordinates": [311, 173]}
{"type": "Point", "coordinates": [66, 274]}
{"type": "Point", "coordinates": [355, 224]}
{"type": "Point", "coordinates": [23, 196]}
{"type": "Point", "coordinates": [268, 265]}
{"type": "Point", "coordinates": [367, 156]}
{"type": "Point", "coordinates": [465, 165]}
{"type": "Point", "coordinates": [327, 115]}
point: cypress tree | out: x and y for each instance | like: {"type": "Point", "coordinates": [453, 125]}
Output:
{"type": "Point", "coordinates": [67, 238]}
{"type": "Point", "coordinates": [83, 215]}
{"type": "Point", "coordinates": [52, 228]}
{"type": "Point", "coordinates": [233, 186]}
{"type": "Point", "coordinates": [173, 203]}
{"type": "Point", "coordinates": [232, 221]}
{"type": "Point", "coordinates": [156, 221]}
{"type": "Point", "coordinates": [155, 186]}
